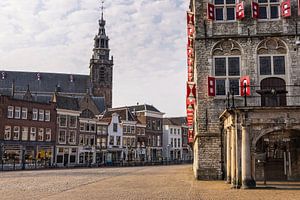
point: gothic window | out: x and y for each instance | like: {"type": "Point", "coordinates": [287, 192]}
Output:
{"type": "Point", "coordinates": [227, 67]}
{"type": "Point", "coordinates": [102, 74]}
{"type": "Point", "coordinates": [102, 43]}
{"type": "Point", "coordinates": [271, 57]}
{"type": "Point", "coordinates": [225, 10]}
{"type": "Point", "coordinates": [269, 9]}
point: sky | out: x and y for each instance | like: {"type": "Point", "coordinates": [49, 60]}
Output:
{"type": "Point", "coordinates": [147, 41]}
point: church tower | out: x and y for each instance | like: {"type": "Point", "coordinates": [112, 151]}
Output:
{"type": "Point", "coordinates": [101, 66]}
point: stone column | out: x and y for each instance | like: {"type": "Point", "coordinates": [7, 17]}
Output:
{"type": "Point", "coordinates": [233, 157]}
{"type": "Point", "coordinates": [247, 180]}
{"type": "Point", "coordinates": [228, 156]}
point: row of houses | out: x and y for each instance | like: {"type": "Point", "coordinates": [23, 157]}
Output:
{"type": "Point", "coordinates": [72, 131]}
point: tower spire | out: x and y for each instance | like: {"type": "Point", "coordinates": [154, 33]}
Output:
{"type": "Point", "coordinates": [102, 9]}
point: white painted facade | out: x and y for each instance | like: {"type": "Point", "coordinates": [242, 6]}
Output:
{"type": "Point", "coordinates": [115, 139]}
{"type": "Point", "coordinates": [172, 142]}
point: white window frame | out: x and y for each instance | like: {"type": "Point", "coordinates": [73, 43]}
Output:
{"type": "Point", "coordinates": [268, 5]}
{"type": "Point", "coordinates": [17, 112]}
{"type": "Point", "coordinates": [47, 115]}
{"type": "Point", "coordinates": [226, 77]}
{"type": "Point", "coordinates": [40, 135]}
{"type": "Point", "coordinates": [70, 122]}
{"type": "Point", "coordinates": [225, 6]}
{"type": "Point", "coordinates": [59, 138]}
{"type": "Point", "coordinates": [25, 133]}
{"type": "Point", "coordinates": [74, 138]}
{"type": "Point", "coordinates": [10, 112]}
{"type": "Point", "coordinates": [60, 125]}
{"type": "Point", "coordinates": [7, 133]}
{"type": "Point", "coordinates": [41, 115]}
{"type": "Point", "coordinates": [35, 114]}
{"type": "Point", "coordinates": [272, 65]}
{"type": "Point", "coordinates": [16, 132]}
{"type": "Point", "coordinates": [24, 113]}
{"type": "Point", "coordinates": [32, 133]}
{"type": "Point", "coordinates": [48, 135]}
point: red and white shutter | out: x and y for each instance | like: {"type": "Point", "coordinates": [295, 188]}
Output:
{"type": "Point", "coordinates": [245, 80]}
{"type": "Point", "coordinates": [240, 11]}
{"type": "Point", "coordinates": [286, 8]}
{"type": "Point", "coordinates": [210, 11]}
{"type": "Point", "coordinates": [255, 10]}
{"type": "Point", "coordinates": [190, 18]}
{"type": "Point", "coordinates": [211, 86]}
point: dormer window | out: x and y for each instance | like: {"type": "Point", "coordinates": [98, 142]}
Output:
{"type": "Point", "coordinates": [3, 75]}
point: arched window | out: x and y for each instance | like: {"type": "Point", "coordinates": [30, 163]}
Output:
{"type": "Point", "coordinates": [273, 92]}
{"type": "Point", "coordinates": [272, 57]}
{"type": "Point", "coordinates": [227, 67]}
{"type": "Point", "coordinates": [272, 72]}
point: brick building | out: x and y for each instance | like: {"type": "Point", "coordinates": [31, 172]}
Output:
{"type": "Point", "coordinates": [27, 132]}
{"type": "Point", "coordinates": [256, 44]}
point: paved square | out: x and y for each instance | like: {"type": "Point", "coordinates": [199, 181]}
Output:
{"type": "Point", "coordinates": [158, 182]}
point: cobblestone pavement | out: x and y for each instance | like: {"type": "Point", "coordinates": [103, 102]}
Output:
{"type": "Point", "coordinates": [158, 182]}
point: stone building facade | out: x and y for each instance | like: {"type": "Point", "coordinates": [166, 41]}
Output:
{"type": "Point", "coordinates": [263, 47]}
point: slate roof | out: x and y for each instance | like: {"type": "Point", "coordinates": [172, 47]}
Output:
{"type": "Point", "coordinates": [122, 112]}
{"type": "Point", "coordinates": [68, 103]}
{"type": "Point", "coordinates": [43, 82]}
{"type": "Point", "coordinates": [144, 107]}
{"type": "Point", "coordinates": [177, 121]}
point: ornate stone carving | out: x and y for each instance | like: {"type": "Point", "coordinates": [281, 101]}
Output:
{"type": "Point", "coordinates": [272, 46]}
{"type": "Point", "coordinates": [226, 48]}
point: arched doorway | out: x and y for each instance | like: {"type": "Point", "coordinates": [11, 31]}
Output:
{"type": "Point", "coordinates": [273, 92]}
{"type": "Point", "coordinates": [278, 156]}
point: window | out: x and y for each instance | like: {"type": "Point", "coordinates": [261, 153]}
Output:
{"type": "Point", "coordinates": [40, 134]}
{"type": "Point", "coordinates": [115, 127]}
{"type": "Point", "coordinates": [225, 10]}
{"type": "Point", "coordinates": [227, 73]}
{"type": "Point", "coordinates": [48, 134]}
{"type": "Point", "coordinates": [111, 140]}
{"type": "Point", "coordinates": [103, 142]}
{"type": "Point", "coordinates": [34, 114]}
{"type": "Point", "coordinates": [7, 133]}
{"type": "Point", "coordinates": [16, 134]}
{"type": "Point", "coordinates": [62, 120]}
{"type": "Point", "coordinates": [72, 137]}
{"type": "Point", "coordinates": [171, 142]}
{"type": "Point", "coordinates": [10, 112]}
{"type": "Point", "coordinates": [82, 128]}
{"type": "Point", "coordinates": [47, 115]}
{"type": "Point", "coordinates": [81, 139]}
{"type": "Point", "coordinates": [72, 121]}
{"type": "Point", "coordinates": [41, 115]}
{"type": "Point", "coordinates": [272, 65]}
{"type": "Point", "coordinates": [132, 129]}
{"type": "Point", "coordinates": [118, 140]}
{"type": "Point", "coordinates": [92, 140]}
{"type": "Point", "coordinates": [269, 9]}
{"type": "Point", "coordinates": [174, 130]}
{"type": "Point", "coordinates": [24, 113]}
{"type": "Point", "coordinates": [17, 112]}
{"type": "Point", "coordinates": [93, 128]}
{"type": "Point", "coordinates": [179, 145]}
{"type": "Point", "coordinates": [148, 124]}
{"type": "Point", "coordinates": [175, 143]}
{"type": "Point", "coordinates": [62, 137]}
{"type": "Point", "coordinates": [24, 133]}
{"type": "Point", "coordinates": [32, 134]}
{"type": "Point", "coordinates": [171, 130]}
{"type": "Point", "coordinates": [158, 141]}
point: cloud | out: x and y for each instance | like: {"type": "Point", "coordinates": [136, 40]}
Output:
{"type": "Point", "coordinates": [147, 40]}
